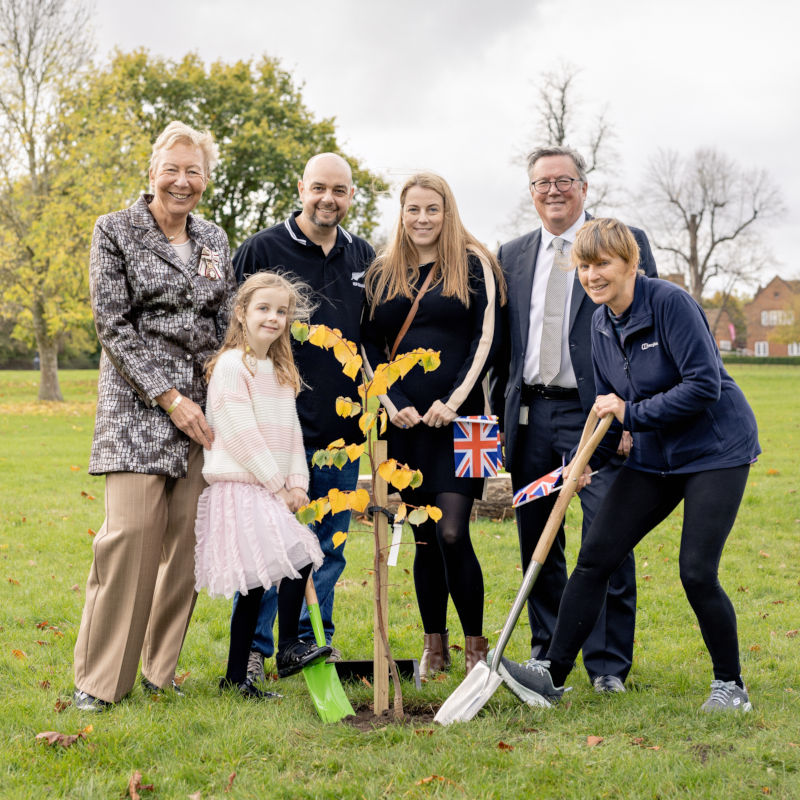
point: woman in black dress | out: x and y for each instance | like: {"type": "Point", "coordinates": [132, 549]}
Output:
{"type": "Point", "coordinates": [461, 288]}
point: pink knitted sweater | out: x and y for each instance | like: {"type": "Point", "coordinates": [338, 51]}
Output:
{"type": "Point", "coordinates": [257, 437]}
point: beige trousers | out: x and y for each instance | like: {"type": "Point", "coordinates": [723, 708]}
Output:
{"type": "Point", "coordinates": [140, 592]}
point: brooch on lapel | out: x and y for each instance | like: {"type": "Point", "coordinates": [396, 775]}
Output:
{"type": "Point", "coordinates": [209, 265]}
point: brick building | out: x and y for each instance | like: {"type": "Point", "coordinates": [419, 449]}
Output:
{"type": "Point", "coordinates": [773, 305]}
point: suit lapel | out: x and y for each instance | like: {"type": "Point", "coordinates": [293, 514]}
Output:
{"type": "Point", "coordinates": [524, 287]}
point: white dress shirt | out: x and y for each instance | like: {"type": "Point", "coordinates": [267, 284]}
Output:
{"type": "Point", "coordinates": [544, 263]}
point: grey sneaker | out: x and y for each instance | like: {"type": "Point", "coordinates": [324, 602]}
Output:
{"type": "Point", "coordinates": [608, 683]}
{"type": "Point", "coordinates": [727, 696]}
{"type": "Point", "coordinates": [84, 701]}
{"type": "Point", "coordinates": [335, 656]}
{"type": "Point", "coordinates": [530, 680]}
{"type": "Point", "coordinates": [255, 667]}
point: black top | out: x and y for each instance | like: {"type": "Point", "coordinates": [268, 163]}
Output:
{"type": "Point", "coordinates": [466, 338]}
{"type": "Point", "coordinates": [337, 281]}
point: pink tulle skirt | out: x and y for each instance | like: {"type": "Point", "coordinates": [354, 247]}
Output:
{"type": "Point", "coordinates": [246, 537]}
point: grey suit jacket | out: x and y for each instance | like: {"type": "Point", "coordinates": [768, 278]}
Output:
{"type": "Point", "coordinates": [158, 320]}
{"type": "Point", "coordinates": [518, 259]}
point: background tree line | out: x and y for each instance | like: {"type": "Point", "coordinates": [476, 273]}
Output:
{"type": "Point", "coordinates": [75, 138]}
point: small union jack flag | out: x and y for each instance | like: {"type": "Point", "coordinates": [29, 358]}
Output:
{"type": "Point", "coordinates": [541, 487]}
{"type": "Point", "coordinates": [476, 446]}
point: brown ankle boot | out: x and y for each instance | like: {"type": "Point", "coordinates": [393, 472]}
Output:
{"type": "Point", "coordinates": [432, 660]}
{"type": "Point", "coordinates": [475, 650]}
{"type": "Point", "coordinates": [446, 650]}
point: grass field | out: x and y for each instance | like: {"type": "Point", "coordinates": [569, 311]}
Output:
{"type": "Point", "coordinates": [655, 743]}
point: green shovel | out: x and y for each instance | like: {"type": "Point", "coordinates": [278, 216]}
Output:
{"type": "Point", "coordinates": [321, 678]}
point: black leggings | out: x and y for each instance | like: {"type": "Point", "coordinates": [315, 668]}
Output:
{"type": "Point", "coordinates": [245, 616]}
{"type": "Point", "coordinates": [635, 503]}
{"type": "Point", "coordinates": [445, 564]}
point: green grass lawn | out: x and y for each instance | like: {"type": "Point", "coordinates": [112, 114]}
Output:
{"type": "Point", "coordinates": [655, 743]}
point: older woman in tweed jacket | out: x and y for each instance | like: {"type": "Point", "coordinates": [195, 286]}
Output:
{"type": "Point", "coordinates": [161, 280]}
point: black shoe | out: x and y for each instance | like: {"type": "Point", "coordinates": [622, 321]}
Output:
{"type": "Point", "coordinates": [151, 688]}
{"type": "Point", "coordinates": [247, 690]}
{"type": "Point", "coordinates": [83, 701]}
{"type": "Point", "coordinates": [299, 654]}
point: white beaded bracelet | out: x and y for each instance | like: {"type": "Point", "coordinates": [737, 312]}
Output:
{"type": "Point", "coordinates": [174, 404]}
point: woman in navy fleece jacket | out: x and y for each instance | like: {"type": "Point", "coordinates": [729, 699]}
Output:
{"type": "Point", "coordinates": [658, 371]}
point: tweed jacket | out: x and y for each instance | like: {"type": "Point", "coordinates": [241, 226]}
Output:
{"type": "Point", "coordinates": [157, 320]}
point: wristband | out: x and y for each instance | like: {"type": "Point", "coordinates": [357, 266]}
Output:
{"type": "Point", "coordinates": [174, 404]}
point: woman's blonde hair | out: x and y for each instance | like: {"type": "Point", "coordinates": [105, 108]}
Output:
{"type": "Point", "coordinates": [396, 270]}
{"type": "Point", "coordinates": [280, 351]}
{"type": "Point", "coordinates": [601, 237]}
{"type": "Point", "coordinates": [180, 133]}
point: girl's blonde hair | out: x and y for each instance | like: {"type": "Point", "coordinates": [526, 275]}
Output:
{"type": "Point", "coordinates": [280, 351]}
{"type": "Point", "coordinates": [396, 270]}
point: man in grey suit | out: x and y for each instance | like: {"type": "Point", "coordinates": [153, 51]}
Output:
{"type": "Point", "coordinates": [543, 390]}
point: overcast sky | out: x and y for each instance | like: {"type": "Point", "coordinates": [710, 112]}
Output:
{"type": "Point", "coordinates": [451, 86]}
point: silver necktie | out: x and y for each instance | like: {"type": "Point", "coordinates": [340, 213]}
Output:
{"type": "Point", "coordinates": [554, 301]}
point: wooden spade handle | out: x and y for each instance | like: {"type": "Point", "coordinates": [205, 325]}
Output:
{"type": "Point", "coordinates": [311, 592]}
{"type": "Point", "coordinates": [586, 448]}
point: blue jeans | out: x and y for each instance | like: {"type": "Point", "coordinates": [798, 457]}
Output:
{"type": "Point", "coordinates": [321, 481]}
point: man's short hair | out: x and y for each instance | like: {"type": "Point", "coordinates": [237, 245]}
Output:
{"type": "Point", "coordinates": [558, 150]}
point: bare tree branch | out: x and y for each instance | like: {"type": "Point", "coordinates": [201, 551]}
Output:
{"type": "Point", "coordinates": [705, 210]}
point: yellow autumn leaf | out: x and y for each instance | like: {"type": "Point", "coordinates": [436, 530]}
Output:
{"type": "Point", "coordinates": [318, 335]}
{"type": "Point", "coordinates": [339, 500]}
{"type": "Point", "coordinates": [416, 479]}
{"type": "Point", "coordinates": [322, 508]}
{"type": "Point", "coordinates": [379, 384]}
{"type": "Point", "coordinates": [359, 500]}
{"type": "Point", "coordinates": [387, 469]}
{"type": "Point", "coordinates": [336, 444]}
{"type": "Point", "coordinates": [338, 538]}
{"type": "Point", "coordinates": [383, 418]}
{"type": "Point", "coordinates": [354, 451]}
{"type": "Point", "coordinates": [366, 422]}
{"type": "Point", "coordinates": [306, 514]}
{"type": "Point", "coordinates": [401, 512]}
{"type": "Point", "coordinates": [299, 330]}
{"type": "Point", "coordinates": [401, 477]}
{"type": "Point", "coordinates": [417, 516]}
{"type": "Point", "coordinates": [430, 360]}
{"type": "Point", "coordinates": [403, 364]}
{"type": "Point", "coordinates": [352, 367]}
{"type": "Point", "coordinates": [434, 512]}
{"type": "Point", "coordinates": [343, 351]}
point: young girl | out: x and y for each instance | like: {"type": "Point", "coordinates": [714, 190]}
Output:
{"type": "Point", "coordinates": [247, 536]}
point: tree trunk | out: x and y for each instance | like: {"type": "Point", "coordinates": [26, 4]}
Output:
{"type": "Point", "coordinates": [48, 360]}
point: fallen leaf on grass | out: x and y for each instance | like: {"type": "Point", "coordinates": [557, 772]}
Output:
{"type": "Point", "coordinates": [61, 705]}
{"type": "Point", "coordinates": [432, 778]}
{"type": "Point", "coordinates": [792, 634]}
{"type": "Point", "coordinates": [179, 679]}
{"type": "Point", "coordinates": [44, 684]}
{"type": "Point", "coordinates": [135, 784]}
{"type": "Point", "coordinates": [20, 654]}
{"type": "Point", "coordinates": [64, 739]}
{"type": "Point", "coordinates": [503, 746]}
{"type": "Point", "coordinates": [41, 643]}
{"type": "Point", "coordinates": [366, 682]}
{"type": "Point", "coordinates": [91, 532]}
{"type": "Point", "coordinates": [742, 589]}
{"type": "Point", "coordinates": [423, 732]}
{"type": "Point", "coordinates": [593, 741]}
{"type": "Point", "coordinates": [754, 648]}
{"type": "Point", "coordinates": [13, 581]}
{"type": "Point", "coordinates": [74, 468]}
{"type": "Point", "coordinates": [457, 647]}
{"type": "Point", "coordinates": [766, 790]}
{"type": "Point", "coordinates": [763, 554]}
{"type": "Point", "coordinates": [778, 602]}
{"type": "Point", "coordinates": [230, 782]}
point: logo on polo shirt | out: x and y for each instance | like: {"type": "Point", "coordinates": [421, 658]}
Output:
{"type": "Point", "coordinates": [648, 345]}
{"type": "Point", "coordinates": [357, 278]}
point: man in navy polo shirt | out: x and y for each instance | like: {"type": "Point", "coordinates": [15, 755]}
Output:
{"type": "Point", "coordinates": [313, 246]}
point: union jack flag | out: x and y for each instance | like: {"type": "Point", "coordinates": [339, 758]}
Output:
{"type": "Point", "coordinates": [541, 487]}
{"type": "Point", "coordinates": [476, 446]}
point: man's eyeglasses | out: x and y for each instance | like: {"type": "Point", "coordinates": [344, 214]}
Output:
{"type": "Point", "coordinates": [562, 184]}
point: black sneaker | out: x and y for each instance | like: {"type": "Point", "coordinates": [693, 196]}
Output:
{"type": "Point", "coordinates": [530, 681]}
{"type": "Point", "coordinates": [84, 701]}
{"type": "Point", "coordinates": [299, 654]}
{"type": "Point", "coordinates": [247, 690]}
